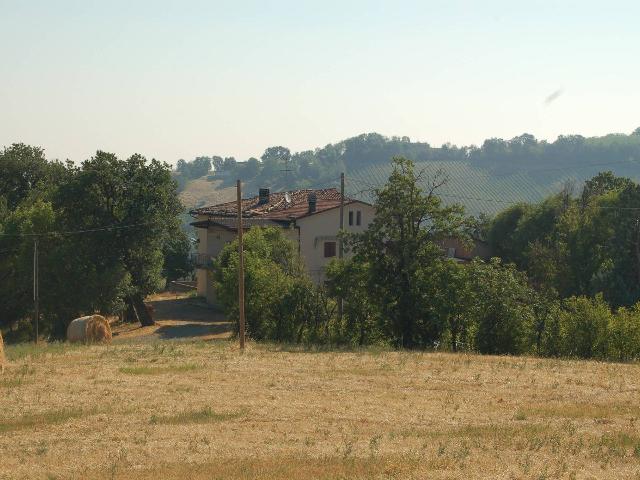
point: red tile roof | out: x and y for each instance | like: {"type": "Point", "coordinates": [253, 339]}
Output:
{"type": "Point", "coordinates": [277, 208]}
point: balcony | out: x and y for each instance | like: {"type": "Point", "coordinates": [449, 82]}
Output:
{"type": "Point", "coordinates": [202, 260]}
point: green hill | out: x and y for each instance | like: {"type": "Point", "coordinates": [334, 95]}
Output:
{"type": "Point", "coordinates": [481, 190]}
{"type": "Point", "coordinates": [486, 178]}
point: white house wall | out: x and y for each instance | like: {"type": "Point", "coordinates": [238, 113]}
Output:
{"type": "Point", "coordinates": [324, 226]}
{"type": "Point", "coordinates": [311, 231]}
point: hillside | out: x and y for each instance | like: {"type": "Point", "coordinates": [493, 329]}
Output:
{"type": "Point", "coordinates": [200, 191]}
{"type": "Point", "coordinates": [201, 410]}
{"type": "Point", "coordinates": [486, 178]}
{"type": "Point", "coordinates": [481, 190]}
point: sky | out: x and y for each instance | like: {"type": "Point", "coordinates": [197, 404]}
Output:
{"type": "Point", "coordinates": [179, 79]}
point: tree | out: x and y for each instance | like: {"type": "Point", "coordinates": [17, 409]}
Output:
{"type": "Point", "coordinates": [272, 270]}
{"type": "Point", "coordinates": [503, 308]}
{"type": "Point", "coordinates": [603, 183]}
{"type": "Point", "coordinates": [23, 169]}
{"type": "Point", "coordinates": [177, 263]}
{"type": "Point", "coordinates": [349, 280]}
{"type": "Point", "coordinates": [584, 324]}
{"type": "Point", "coordinates": [135, 193]}
{"type": "Point", "coordinates": [400, 242]}
{"type": "Point", "coordinates": [452, 299]}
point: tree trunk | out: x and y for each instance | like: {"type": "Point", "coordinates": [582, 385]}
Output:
{"type": "Point", "coordinates": [143, 315]}
{"type": "Point", "coordinates": [130, 315]}
{"type": "Point", "coordinates": [454, 335]}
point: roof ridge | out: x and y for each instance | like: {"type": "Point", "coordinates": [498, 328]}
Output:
{"type": "Point", "coordinates": [277, 207]}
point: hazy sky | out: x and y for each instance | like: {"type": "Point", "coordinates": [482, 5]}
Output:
{"type": "Point", "coordinates": [177, 79]}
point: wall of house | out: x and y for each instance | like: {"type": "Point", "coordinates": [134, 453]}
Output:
{"type": "Point", "coordinates": [211, 241]}
{"type": "Point", "coordinates": [323, 227]}
{"type": "Point", "coordinates": [311, 233]}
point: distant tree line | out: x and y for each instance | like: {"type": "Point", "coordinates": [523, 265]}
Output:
{"type": "Point", "coordinates": [566, 283]}
{"type": "Point", "coordinates": [108, 234]}
{"type": "Point", "coordinates": [278, 167]}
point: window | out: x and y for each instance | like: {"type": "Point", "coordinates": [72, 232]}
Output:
{"type": "Point", "coordinates": [358, 217]}
{"type": "Point", "coordinates": [350, 217]}
{"type": "Point", "coordinates": [329, 249]}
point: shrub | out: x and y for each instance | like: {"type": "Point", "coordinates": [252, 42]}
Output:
{"type": "Point", "coordinates": [281, 301]}
{"type": "Point", "coordinates": [503, 308]}
{"type": "Point", "coordinates": [584, 324]}
{"type": "Point", "coordinates": [624, 334]}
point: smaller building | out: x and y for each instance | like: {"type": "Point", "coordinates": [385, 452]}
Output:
{"type": "Point", "coordinates": [310, 218]}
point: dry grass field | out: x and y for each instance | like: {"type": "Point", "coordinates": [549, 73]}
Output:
{"type": "Point", "coordinates": [204, 192]}
{"type": "Point", "coordinates": [201, 410]}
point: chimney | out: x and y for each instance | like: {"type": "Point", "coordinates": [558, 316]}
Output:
{"type": "Point", "coordinates": [263, 196]}
{"type": "Point", "coordinates": [313, 200]}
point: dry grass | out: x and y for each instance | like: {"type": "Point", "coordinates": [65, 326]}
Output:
{"type": "Point", "coordinates": [143, 370]}
{"type": "Point", "coordinates": [203, 415]}
{"type": "Point", "coordinates": [204, 192]}
{"type": "Point", "coordinates": [202, 410]}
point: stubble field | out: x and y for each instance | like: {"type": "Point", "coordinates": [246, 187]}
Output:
{"type": "Point", "coordinates": [202, 410]}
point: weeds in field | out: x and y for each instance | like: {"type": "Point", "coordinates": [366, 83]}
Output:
{"type": "Point", "coordinates": [204, 415]}
{"type": "Point", "coordinates": [50, 417]}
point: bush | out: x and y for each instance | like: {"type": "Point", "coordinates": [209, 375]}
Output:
{"type": "Point", "coordinates": [584, 324]}
{"type": "Point", "coordinates": [503, 308]}
{"type": "Point", "coordinates": [348, 279]}
{"type": "Point", "coordinates": [624, 334]}
{"type": "Point", "coordinates": [281, 302]}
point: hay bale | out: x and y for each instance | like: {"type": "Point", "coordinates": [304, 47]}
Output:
{"type": "Point", "coordinates": [90, 329]}
{"type": "Point", "coordinates": [3, 360]}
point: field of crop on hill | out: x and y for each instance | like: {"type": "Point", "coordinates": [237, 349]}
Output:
{"type": "Point", "coordinates": [481, 190]}
{"type": "Point", "coordinates": [201, 410]}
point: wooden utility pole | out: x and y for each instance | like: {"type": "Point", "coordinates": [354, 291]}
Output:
{"type": "Point", "coordinates": [340, 246]}
{"type": "Point", "coordinates": [240, 267]}
{"type": "Point", "coordinates": [36, 293]}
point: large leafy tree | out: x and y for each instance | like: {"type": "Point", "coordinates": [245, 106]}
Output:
{"type": "Point", "coordinates": [137, 197]}
{"type": "Point", "coordinates": [104, 230]}
{"type": "Point", "coordinates": [400, 246]}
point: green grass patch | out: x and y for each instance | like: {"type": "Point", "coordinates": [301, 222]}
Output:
{"type": "Point", "coordinates": [204, 415]}
{"type": "Point", "coordinates": [13, 382]}
{"type": "Point", "coordinates": [31, 350]}
{"type": "Point", "coordinates": [146, 370]}
{"type": "Point", "coordinates": [50, 417]}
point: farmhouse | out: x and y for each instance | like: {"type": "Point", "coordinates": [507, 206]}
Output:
{"type": "Point", "coordinates": [311, 218]}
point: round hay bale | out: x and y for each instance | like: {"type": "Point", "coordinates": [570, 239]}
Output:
{"type": "Point", "coordinates": [89, 329]}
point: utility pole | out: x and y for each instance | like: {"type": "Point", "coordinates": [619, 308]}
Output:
{"type": "Point", "coordinates": [240, 267]}
{"type": "Point", "coordinates": [340, 246]}
{"type": "Point", "coordinates": [36, 293]}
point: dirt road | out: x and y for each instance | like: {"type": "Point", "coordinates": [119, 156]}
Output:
{"type": "Point", "coordinates": [177, 317]}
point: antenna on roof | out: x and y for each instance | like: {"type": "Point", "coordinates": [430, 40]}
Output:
{"type": "Point", "coordinates": [286, 169]}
